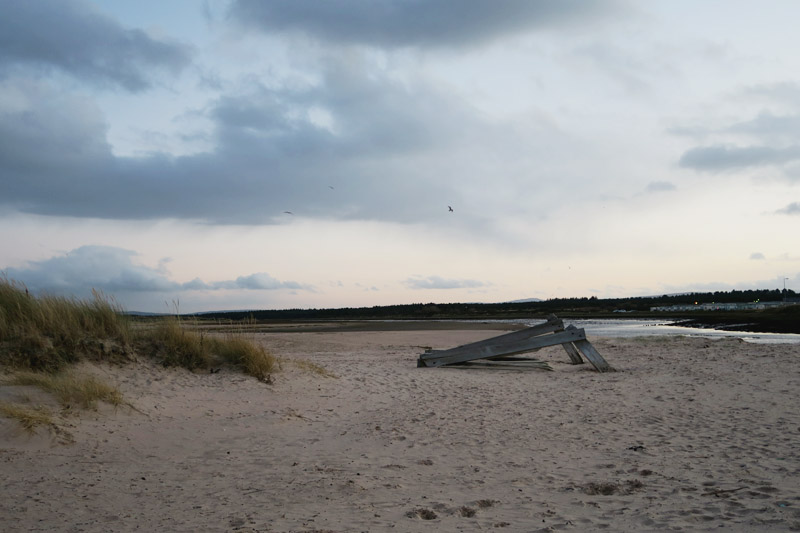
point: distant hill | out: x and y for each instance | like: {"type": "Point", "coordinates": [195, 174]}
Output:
{"type": "Point", "coordinates": [525, 301]}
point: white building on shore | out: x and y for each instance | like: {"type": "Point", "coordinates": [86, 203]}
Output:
{"type": "Point", "coordinates": [749, 306]}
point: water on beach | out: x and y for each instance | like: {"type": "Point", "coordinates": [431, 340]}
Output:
{"type": "Point", "coordinates": [639, 328]}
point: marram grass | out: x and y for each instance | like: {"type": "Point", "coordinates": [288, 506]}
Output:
{"type": "Point", "coordinates": [42, 337]}
{"type": "Point", "coordinates": [49, 333]}
{"type": "Point", "coordinates": [313, 368]}
{"type": "Point", "coordinates": [70, 389]}
{"type": "Point", "coordinates": [252, 358]}
{"type": "Point", "coordinates": [28, 417]}
{"type": "Point", "coordinates": [176, 345]}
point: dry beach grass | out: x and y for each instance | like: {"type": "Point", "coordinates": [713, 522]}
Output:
{"type": "Point", "coordinates": [689, 434]}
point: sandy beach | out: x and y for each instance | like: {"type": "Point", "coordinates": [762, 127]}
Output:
{"type": "Point", "coordinates": [688, 435]}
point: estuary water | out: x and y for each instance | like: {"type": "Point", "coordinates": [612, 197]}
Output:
{"type": "Point", "coordinates": [640, 327]}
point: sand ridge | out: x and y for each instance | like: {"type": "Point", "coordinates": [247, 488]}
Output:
{"type": "Point", "coordinates": [690, 434]}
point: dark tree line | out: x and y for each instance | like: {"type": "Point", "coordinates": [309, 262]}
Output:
{"type": "Point", "coordinates": [562, 306]}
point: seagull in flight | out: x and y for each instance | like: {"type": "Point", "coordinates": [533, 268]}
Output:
{"type": "Point", "coordinates": [450, 208]}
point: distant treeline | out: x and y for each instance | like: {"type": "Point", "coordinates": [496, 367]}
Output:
{"type": "Point", "coordinates": [560, 306]}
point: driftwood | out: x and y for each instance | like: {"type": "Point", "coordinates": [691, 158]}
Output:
{"type": "Point", "coordinates": [504, 347]}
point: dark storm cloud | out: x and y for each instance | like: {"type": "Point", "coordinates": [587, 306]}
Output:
{"type": "Point", "coordinates": [723, 157]}
{"type": "Point", "coordinates": [112, 271]}
{"type": "Point", "coordinates": [73, 37]}
{"type": "Point", "coordinates": [424, 23]}
{"type": "Point", "coordinates": [437, 282]}
{"type": "Point", "coordinates": [370, 162]}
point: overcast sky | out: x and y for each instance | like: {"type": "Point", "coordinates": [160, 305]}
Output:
{"type": "Point", "coordinates": [270, 154]}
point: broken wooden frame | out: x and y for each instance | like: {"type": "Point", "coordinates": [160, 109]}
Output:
{"type": "Point", "coordinates": [504, 347]}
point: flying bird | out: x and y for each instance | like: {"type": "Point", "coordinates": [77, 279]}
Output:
{"type": "Point", "coordinates": [450, 208]}
{"type": "Point", "coordinates": [288, 212]}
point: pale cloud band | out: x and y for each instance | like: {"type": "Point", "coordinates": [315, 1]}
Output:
{"type": "Point", "coordinates": [437, 282]}
{"type": "Point", "coordinates": [112, 270]}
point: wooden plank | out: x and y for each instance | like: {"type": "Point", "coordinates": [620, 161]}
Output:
{"type": "Point", "coordinates": [490, 348]}
{"type": "Point", "coordinates": [486, 350]}
{"type": "Point", "coordinates": [574, 355]}
{"type": "Point", "coordinates": [593, 356]}
{"type": "Point", "coordinates": [553, 324]}
{"type": "Point", "coordinates": [505, 365]}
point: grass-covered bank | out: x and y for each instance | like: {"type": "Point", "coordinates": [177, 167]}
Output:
{"type": "Point", "coordinates": [43, 338]}
{"type": "Point", "coordinates": [780, 320]}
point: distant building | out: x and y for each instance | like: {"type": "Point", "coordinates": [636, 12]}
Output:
{"type": "Point", "coordinates": [751, 306]}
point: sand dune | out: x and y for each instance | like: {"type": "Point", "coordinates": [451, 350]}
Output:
{"type": "Point", "coordinates": [689, 434]}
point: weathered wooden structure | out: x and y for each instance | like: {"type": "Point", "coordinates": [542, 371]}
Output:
{"type": "Point", "coordinates": [505, 347]}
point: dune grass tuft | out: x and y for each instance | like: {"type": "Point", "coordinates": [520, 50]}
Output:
{"type": "Point", "coordinates": [49, 332]}
{"type": "Point", "coordinates": [28, 418]}
{"type": "Point", "coordinates": [70, 389]}
{"type": "Point", "coordinates": [41, 338]}
{"type": "Point", "coordinates": [174, 345]}
{"type": "Point", "coordinates": [252, 358]}
{"type": "Point", "coordinates": [308, 366]}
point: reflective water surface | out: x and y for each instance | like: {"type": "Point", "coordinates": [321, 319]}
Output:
{"type": "Point", "coordinates": [638, 328]}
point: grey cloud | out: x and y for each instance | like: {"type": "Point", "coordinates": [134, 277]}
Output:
{"type": "Point", "coordinates": [112, 271]}
{"type": "Point", "coordinates": [791, 209]}
{"type": "Point", "coordinates": [769, 125]}
{"type": "Point", "coordinates": [258, 281]}
{"type": "Point", "coordinates": [437, 282]}
{"type": "Point", "coordinates": [766, 139]}
{"type": "Point", "coordinates": [270, 156]}
{"type": "Point", "coordinates": [76, 38]}
{"type": "Point", "coordinates": [91, 267]}
{"type": "Point", "coordinates": [772, 93]}
{"type": "Point", "coordinates": [757, 256]}
{"type": "Point", "coordinates": [723, 157]}
{"type": "Point", "coordinates": [764, 126]}
{"type": "Point", "coordinates": [660, 186]}
{"type": "Point", "coordinates": [412, 23]}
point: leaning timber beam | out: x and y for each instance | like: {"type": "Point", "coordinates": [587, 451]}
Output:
{"type": "Point", "coordinates": [588, 351]}
{"type": "Point", "coordinates": [553, 324]}
{"type": "Point", "coordinates": [499, 347]}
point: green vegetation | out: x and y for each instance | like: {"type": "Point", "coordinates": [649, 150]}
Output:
{"type": "Point", "coordinates": [48, 333]}
{"type": "Point", "coordinates": [313, 368]}
{"type": "Point", "coordinates": [29, 418]}
{"type": "Point", "coordinates": [176, 344]}
{"type": "Point", "coordinates": [252, 358]}
{"type": "Point", "coordinates": [70, 389]}
{"type": "Point", "coordinates": [41, 339]}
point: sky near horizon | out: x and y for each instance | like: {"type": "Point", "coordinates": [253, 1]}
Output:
{"type": "Point", "coordinates": [263, 154]}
